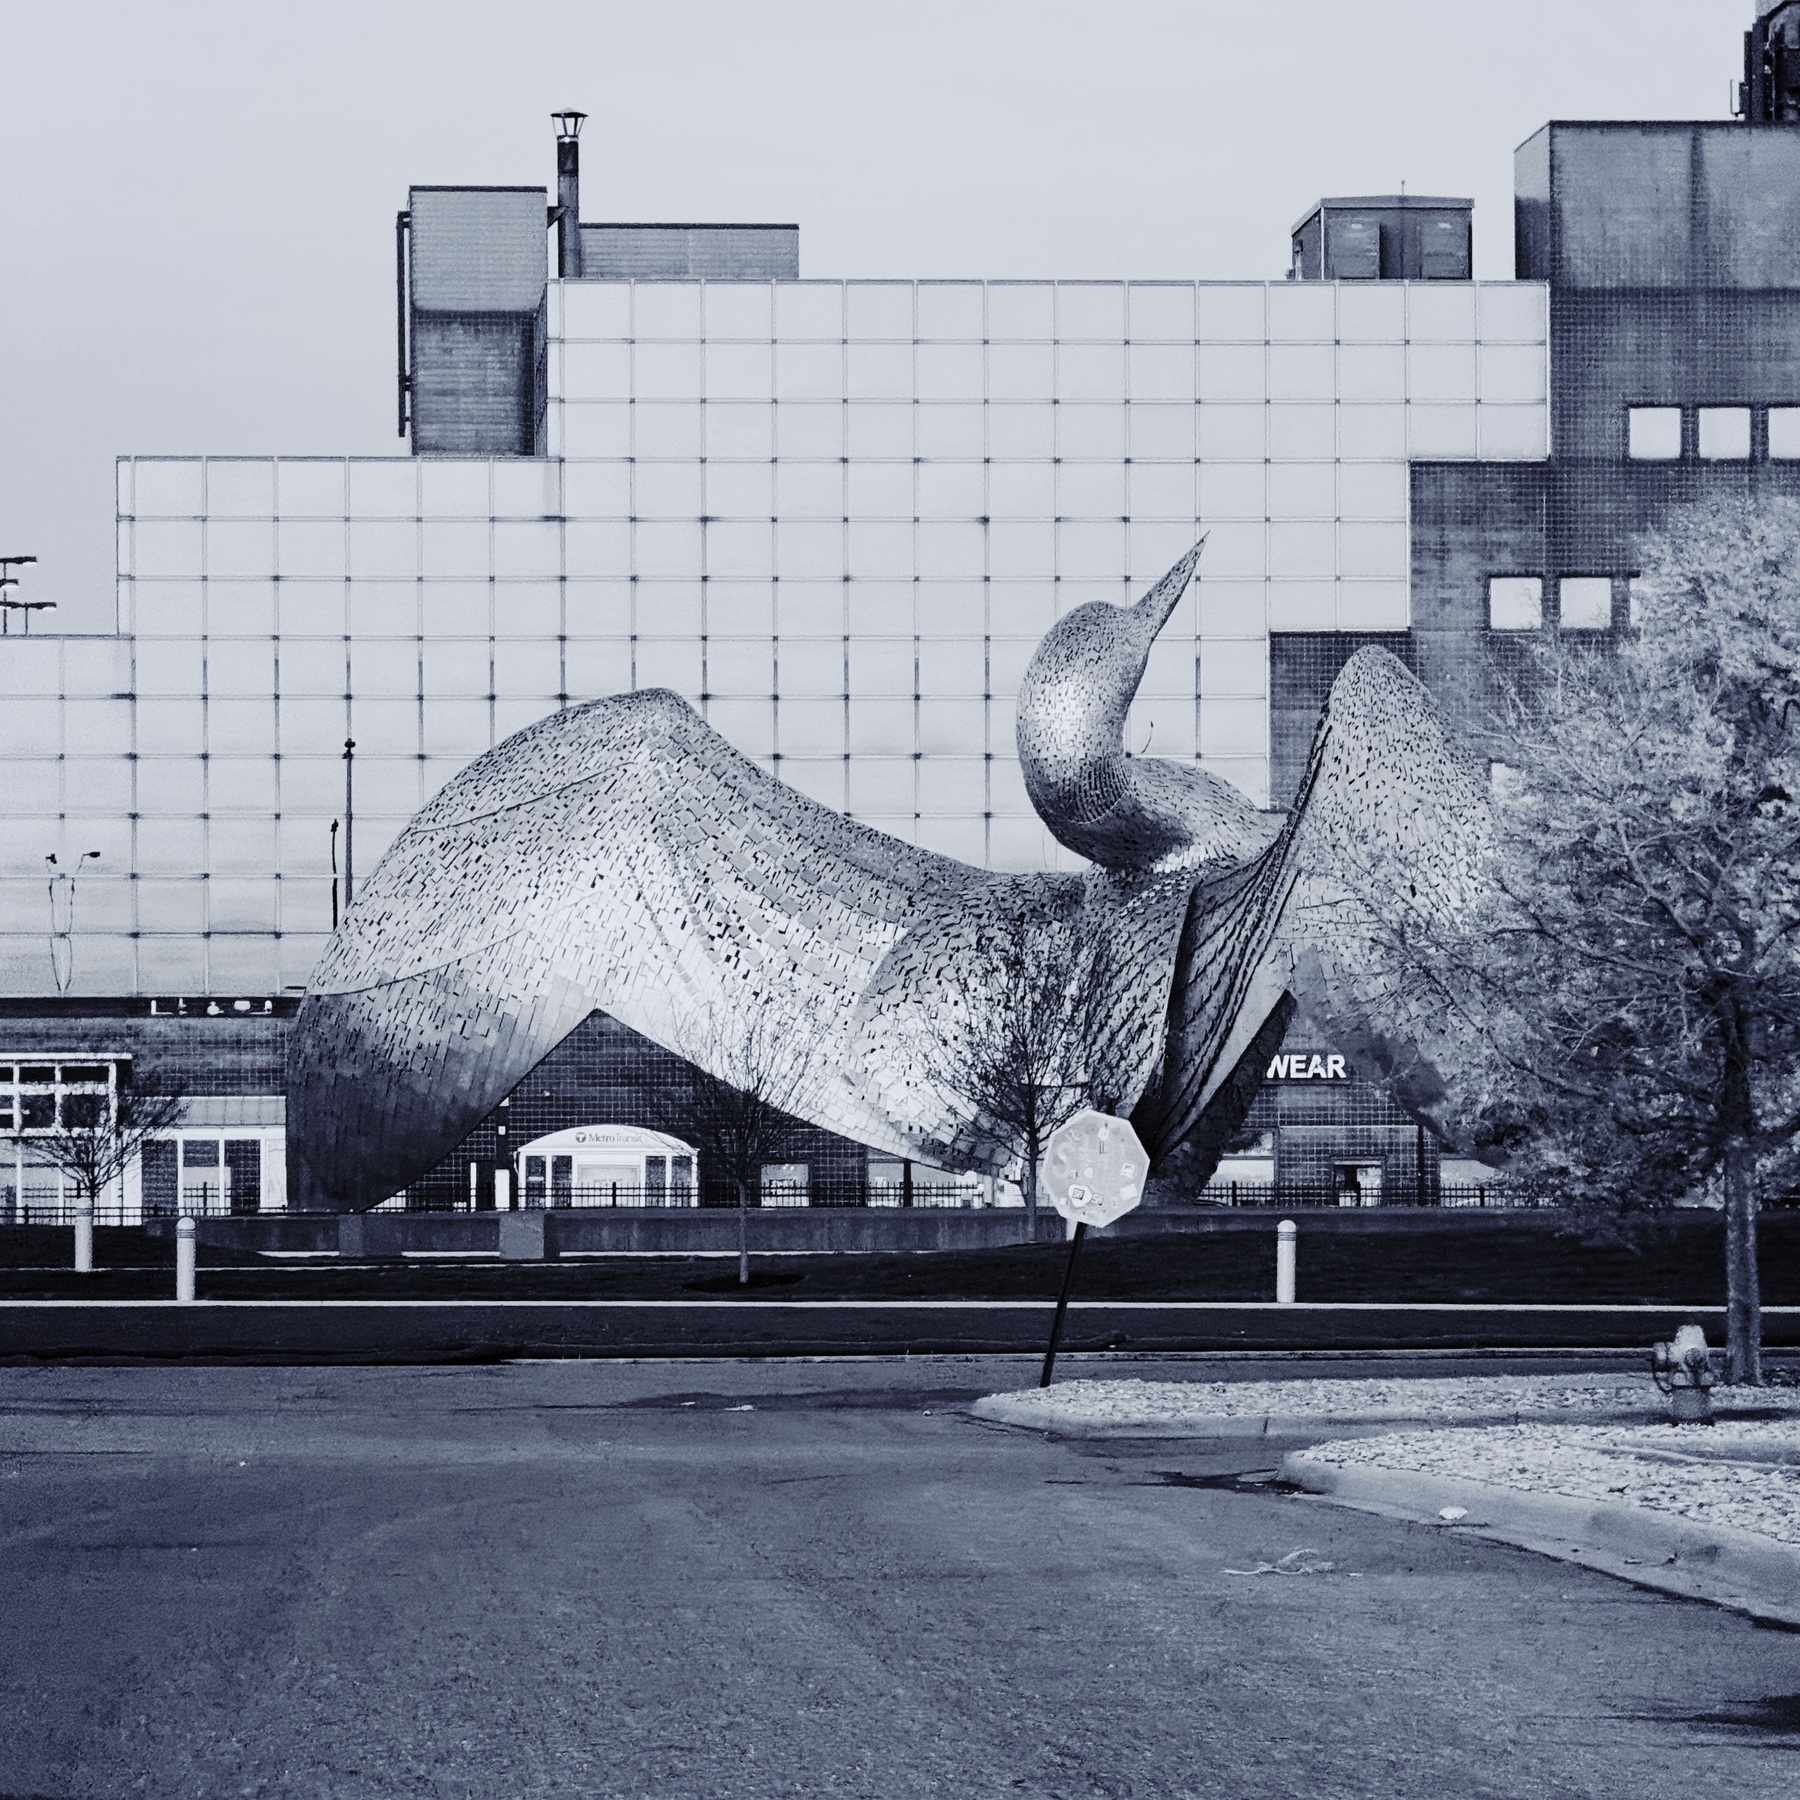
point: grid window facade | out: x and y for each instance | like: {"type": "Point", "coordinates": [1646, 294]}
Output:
{"type": "Point", "coordinates": [835, 516]}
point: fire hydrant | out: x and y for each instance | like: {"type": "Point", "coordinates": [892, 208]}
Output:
{"type": "Point", "coordinates": [1683, 1370]}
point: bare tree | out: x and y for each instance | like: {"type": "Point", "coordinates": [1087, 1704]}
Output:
{"type": "Point", "coordinates": [1631, 979]}
{"type": "Point", "coordinates": [97, 1136]}
{"type": "Point", "coordinates": [1024, 1025]}
{"type": "Point", "coordinates": [740, 1120]}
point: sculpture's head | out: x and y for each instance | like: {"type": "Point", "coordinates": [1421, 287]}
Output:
{"type": "Point", "coordinates": [1118, 810]}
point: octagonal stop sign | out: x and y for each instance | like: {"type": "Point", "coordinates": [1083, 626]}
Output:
{"type": "Point", "coordinates": [1094, 1168]}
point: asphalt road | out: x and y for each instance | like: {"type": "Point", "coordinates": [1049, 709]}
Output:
{"type": "Point", "coordinates": [748, 1580]}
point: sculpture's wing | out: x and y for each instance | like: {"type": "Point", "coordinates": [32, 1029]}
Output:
{"type": "Point", "coordinates": [618, 856]}
{"type": "Point", "coordinates": [1386, 837]}
{"type": "Point", "coordinates": [1390, 836]}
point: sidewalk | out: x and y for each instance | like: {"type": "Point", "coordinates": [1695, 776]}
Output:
{"type": "Point", "coordinates": [1585, 1470]}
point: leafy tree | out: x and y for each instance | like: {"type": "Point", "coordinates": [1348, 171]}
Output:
{"type": "Point", "coordinates": [1630, 981]}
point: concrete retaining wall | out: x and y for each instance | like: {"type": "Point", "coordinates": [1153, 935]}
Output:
{"type": "Point", "coordinates": [685, 1231]}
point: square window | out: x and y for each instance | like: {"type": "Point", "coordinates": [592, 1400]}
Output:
{"type": "Point", "coordinates": [879, 552]}
{"type": "Point", "coordinates": [667, 372]}
{"type": "Point", "coordinates": [739, 372]}
{"type": "Point", "coordinates": [1654, 433]}
{"type": "Point", "coordinates": [1021, 371]}
{"type": "Point", "coordinates": [596, 371]}
{"type": "Point", "coordinates": [879, 490]}
{"type": "Point", "coordinates": [949, 428]}
{"type": "Point", "coordinates": [881, 371]}
{"type": "Point", "coordinates": [1232, 372]}
{"type": "Point", "coordinates": [809, 371]}
{"type": "Point", "coordinates": [1021, 309]}
{"type": "Point", "coordinates": [666, 309]}
{"type": "Point", "coordinates": [384, 487]}
{"type": "Point", "coordinates": [1092, 430]}
{"type": "Point", "coordinates": [1090, 309]}
{"type": "Point", "coordinates": [879, 428]}
{"type": "Point", "coordinates": [240, 489]}
{"type": "Point", "coordinates": [949, 308]}
{"type": "Point", "coordinates": [1784, 432]}
{"type": "Point", "coordinates": [1021, 430]}
{"type": "Point", "coordinates": [524, 550]}
{"type": "Point", "coordinates": [881, 668]}
{"type": "Point", "coordinates": [812, 609]}
{"type": "Point", "coordinates": [449, 489]}
{"type": "Point", "coordinates": [737, 309]}
{"type": "Point", "coordinates": [1311, 431]}
{"type": "Point", "coordinates": [1725, 433]}
{"type": "Point", "coordinates": [597, 429]}
{"type": "Point", "coordinates": [881, 309]}
{"type": "Point", "coordinates": [811, 727]}
{"type": "Point", "coordinates": [743, 429]}
{"type": "Point", "coordinates": [809, 309]}
{"type": "Point", "coordinates": [1161, 309]}
{"type": "Point", "coordinates": [1231, 311]}
{"type": "Point", "coordinates": [951, 490]}
{"type": "Point", "coordinates": [809, 430]}
{"type": "Point", "coordinates": [740, 667]}
{"type": "Point", "coordinates": [664, 428]}
{"type": "Point", "coordinates": [1515, 602]}
{"type": "Point", "coordinates": [949, 372]}
{"type": "Point", "coordinates": [169, 488]}
{"type": "Point", "coordinates": [880, 727]}
{"type": "Point", "coordinates": [1584, 602]}
{"type": "Point", "coordinates": [595, 310]}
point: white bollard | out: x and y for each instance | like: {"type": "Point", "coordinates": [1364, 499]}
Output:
{"type": "Point", "coordinates": [1284, 1263]}
{"type": "Point", "coordinates": [84, 1237]}
{"type": "Point", "coordinates": [184, 1258]}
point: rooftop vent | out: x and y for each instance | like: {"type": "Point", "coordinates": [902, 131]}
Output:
{"type": "Point", "coordinates": [1385, 237]}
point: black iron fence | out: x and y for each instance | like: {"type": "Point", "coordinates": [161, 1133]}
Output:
{"type": "Point", "coordinates": [713, 1195]}
{"type": "Point", "coordinates": [1288, 1195]}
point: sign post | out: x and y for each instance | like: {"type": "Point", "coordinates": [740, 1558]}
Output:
{"type": "Point", "coordinates": [1094, 1172]}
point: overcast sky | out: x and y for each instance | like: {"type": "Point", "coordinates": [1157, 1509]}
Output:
{"type": "Point", "coordinates": [197, 200]}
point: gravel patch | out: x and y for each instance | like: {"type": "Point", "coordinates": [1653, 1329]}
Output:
{"type": "Point", "coordinates": [1744, 1474]}
{"type": "Point", "coordinates": [1122, 1405]}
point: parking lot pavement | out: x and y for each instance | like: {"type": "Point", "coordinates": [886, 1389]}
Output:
{"type": "Point", "coordinates": [749, 1579]}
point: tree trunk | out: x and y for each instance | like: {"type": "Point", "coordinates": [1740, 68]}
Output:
{"type": "Point", "coordinates": [1029, 1182]}
{"type": "Point", "coordinates": [743, 1194]}
{"type": "Point", "coordinates": [1743, 1284]}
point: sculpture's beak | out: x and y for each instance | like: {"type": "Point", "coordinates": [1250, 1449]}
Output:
{"type": "Point", "coordinates": [1154, 609]}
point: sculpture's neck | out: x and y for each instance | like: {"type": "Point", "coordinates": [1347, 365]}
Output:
{"type": "Point", "coordinates": [1072, 709]}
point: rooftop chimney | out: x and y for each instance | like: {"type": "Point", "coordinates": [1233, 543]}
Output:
{"type": "Point", "coordinates": [568, 194]}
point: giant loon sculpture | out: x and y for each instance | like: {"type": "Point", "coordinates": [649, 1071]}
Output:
{"type": "Point", "coordinates": [621, 856]}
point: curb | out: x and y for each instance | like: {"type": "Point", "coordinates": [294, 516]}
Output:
{"type": "Point", "coordinates": [1720, 1564]}
{"type": "Point", "coordinates": [1008, 1409]}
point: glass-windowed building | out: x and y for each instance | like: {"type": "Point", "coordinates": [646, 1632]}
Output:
{"type": "Point", "coordinates": [836, 516]}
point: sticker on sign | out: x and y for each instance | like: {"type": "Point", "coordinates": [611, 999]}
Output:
{"type": "Point", "coordinates": [1094, 1169]}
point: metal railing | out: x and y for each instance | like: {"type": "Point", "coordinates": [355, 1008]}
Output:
{"type": "Point", "coordinates": [938, 1196]}
{"type": "Point", "coordinates": [48, 1204]}
{"type": "Point", "coordinates": [1287, 1195]}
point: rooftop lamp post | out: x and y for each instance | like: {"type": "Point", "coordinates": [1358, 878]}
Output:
{"type": "Point", "coordinates": [568, 194]}
{"type": "Point", "coordinates": [8, 605]}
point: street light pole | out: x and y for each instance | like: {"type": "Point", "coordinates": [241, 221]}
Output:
{"type": "Point", "coordinates": [349, 819]}
{"type": "Point", "coordinates": [8, 605]}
